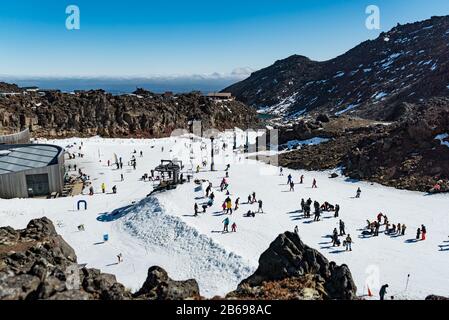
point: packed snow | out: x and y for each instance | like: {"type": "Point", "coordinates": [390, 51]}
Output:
{"type": "Point", "coordinates": [162, 229]}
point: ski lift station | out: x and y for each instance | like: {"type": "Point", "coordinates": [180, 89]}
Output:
{"type": "Point", "coordinates": [31, 170]}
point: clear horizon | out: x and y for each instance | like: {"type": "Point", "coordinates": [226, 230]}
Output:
{"type": "Point", "coordinates": [176, 39]}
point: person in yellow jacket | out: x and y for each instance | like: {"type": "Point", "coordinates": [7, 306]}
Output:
{"type": "Point", "coordinates": [103, 188]}
{"type": "Point", "coordinates": [228, 205]}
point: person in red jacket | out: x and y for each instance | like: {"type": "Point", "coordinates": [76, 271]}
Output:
{"type": "Point", "coordinates": [234, 227]}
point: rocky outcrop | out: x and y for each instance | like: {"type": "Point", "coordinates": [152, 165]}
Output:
{"type": "Point", "coordinates": [308, 274]}
{"type": "Point", "coordinates": [158, 286]}
{"type": "Point", "coordinates": [143, 114]}
{"type": "Point", "coordinates": [436, 298]}
{"type": "Point", "coordinates": [36, 263]}
{"type": "Point", "coordinates": [405, 64]}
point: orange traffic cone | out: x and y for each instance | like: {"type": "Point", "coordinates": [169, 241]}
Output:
{"type": "Point", "coordinates": [370, 294]}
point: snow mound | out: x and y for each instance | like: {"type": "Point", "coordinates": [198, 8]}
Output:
{"type": "Point", "coordinates": [197, 256]}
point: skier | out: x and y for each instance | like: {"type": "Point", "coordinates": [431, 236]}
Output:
{"type": "Point", "coordinates": [335, 237]}
{"type": "Point", "coordinates": [234, 227]}
{"type": "Point", "coordinates": [292, 186]}
{"type": "Point", "coordinates": [337, 211]}
{"type": "Point", "coordinates": [114, 189]}
{"type": "Point", "coordinates": [237, 202]}
{"type": "Point", "coordinates": [317, 214]}
{"type": "Point", "coordinates": [195, 207]}
{"type": "Point", "coordinates": [403, 229]}
{"type": "Point", "coordinates": [228, 205]}
{"type": "Point", "coordinates": [91, 191]}
{"type": "Point", "coordinates": [342, 228]}
{"type": "Point", "coordinates": [296, 230]}
{"type": "Point", "coordinates": [376, 228]}
{"type": "Point", "coordinates": [249, 199]}
{"type": "Point", "coordinates": [423, 232]}
{"type": "Point", "coordinates": [225, 225]}
{"type": "Point", "coordinates": [418, 234]}
{"type": "Point", "coordinates": [301, 179]}
{"type": "Point", "coordinates": [348, 243]}
{"type": "Point", "coordinates": [223, 206]}
{"type": "Point", "coordinates": [379, 217]}
{"type": "Point", "coordinates": [314, 183]}
{"type": "Point", "coordinates": [303, 204]}
{"type": "Point", "coordinates": [260, 206]}
{"type": "Point", "coordinates": [281, 171]}
{"type": "Point", "coordinates": [121, 177]}
{"type": "Point", "coordinates": [358, 193]}
{"type": "Point", "coordinates": [383, 291]}
{"type": "Point", "coordinates": [103, 187]}
{"type": "Point", "coordinates": [254, 197]}
{"type": "Point", "coordinates": [120, 258]}
{"type": "Point", "coordinates": [204, 206]}
{"type": "Point", "coordinates": [289, 179]}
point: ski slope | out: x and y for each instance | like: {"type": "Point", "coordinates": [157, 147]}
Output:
{"type": "Point", "coordinates": [162, 230]}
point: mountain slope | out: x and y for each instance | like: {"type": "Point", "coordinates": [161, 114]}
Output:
{"type": "Point", "coordinates": [406, 64]}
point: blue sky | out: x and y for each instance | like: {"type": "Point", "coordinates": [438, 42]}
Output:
{"type": "Point", "coordinates": [176, 37]}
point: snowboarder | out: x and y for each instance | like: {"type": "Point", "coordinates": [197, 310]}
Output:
{"type": "Point", "coordinates": [337, 211]}
{"type": "Point", "coordinates": [237, 202]}
{"type": "Point", "coordinates": [383, 291]}
{"type": "Point", "coordinates": [260, 206]}
{"type": "Point", "coordinates": [225, 225]}
{"type": "Point", "coordinates": [234, 227]}
{"type": "Point", "coordinates": [358, 193]}
{"type": "Point", "coordinates": [314, 183]}
{"type": "Point", "coordinates": [342, 228]}
{"type": "Point", "coordinates": [348, 242]}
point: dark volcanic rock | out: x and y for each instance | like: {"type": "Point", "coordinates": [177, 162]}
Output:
{"type": "Point", "coordinates": [159, 286]}
{"type": "Point", "coordinates": [434, 297]}
{"type": "Point", "coordinates": [36, 263]}
{"type": "Point", "coordinates": [289, 258]}
{"type": "Point", "coordinates": [144, 114]}
{"type": "Point", "coordinates": [369, 81]}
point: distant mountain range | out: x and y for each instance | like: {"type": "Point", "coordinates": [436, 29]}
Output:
{"type": "Point", "coordinates": [410, 63]}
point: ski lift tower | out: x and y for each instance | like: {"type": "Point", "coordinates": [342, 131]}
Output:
{"type": "Point", "coordinates": [212, 164]}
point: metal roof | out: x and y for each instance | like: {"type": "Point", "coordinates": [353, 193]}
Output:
{"type": "Point", "coordinates": [19, 158]}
